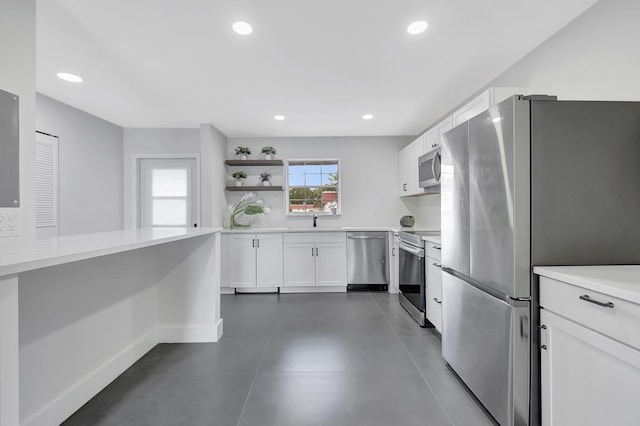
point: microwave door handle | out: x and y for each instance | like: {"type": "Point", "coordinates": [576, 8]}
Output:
{"type": "Point", "coordinates": [436, 158]}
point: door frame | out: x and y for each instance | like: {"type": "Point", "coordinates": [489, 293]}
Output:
{"type": "Point", "coordinates": [135, 173]}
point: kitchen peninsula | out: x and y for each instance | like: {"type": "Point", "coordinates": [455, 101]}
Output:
{"type": "Point", "coordinates": [76, 311]}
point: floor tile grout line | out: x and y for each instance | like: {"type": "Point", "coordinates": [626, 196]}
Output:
{"type": "Point", "coordinates": [413, 361]}
{"type": "Point", "coordinates": [255, 376]}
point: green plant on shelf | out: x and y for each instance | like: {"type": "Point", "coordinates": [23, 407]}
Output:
{"type": "Point", "coordinates": [242, 150]}
{"type": "Point", "coordinates": [239, 175]}
{"type": "Point", "coordinates": [265, 177]}
{"type": "Point", "coordinates": [268, 150]}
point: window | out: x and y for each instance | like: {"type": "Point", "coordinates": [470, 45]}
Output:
{"type": "Point", "coordinates": [313, 186]}
{"type": "Point", "coordinates": [167, 192]}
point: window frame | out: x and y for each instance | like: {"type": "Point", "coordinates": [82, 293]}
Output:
{"type": "Point", "coordinates": [287, 187]}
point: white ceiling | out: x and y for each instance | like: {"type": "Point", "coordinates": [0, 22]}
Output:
{"type": "Point", "coordinates": [323, 64]}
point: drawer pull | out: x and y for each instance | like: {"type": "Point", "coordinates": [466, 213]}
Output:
{"type": "Point", "coordinates": [586, 298]}
{"type": "Point", "coordinates": [435, 299]}
{"type": "Point", "coordinates": [437, 247]}
{"type": "Point", "coordinates": [437, 265]}
{"type": "Point", "coordinates": [543, 347]}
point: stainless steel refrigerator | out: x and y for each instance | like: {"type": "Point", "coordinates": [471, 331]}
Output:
{"type": "Point", "coordinates": [532, 181]}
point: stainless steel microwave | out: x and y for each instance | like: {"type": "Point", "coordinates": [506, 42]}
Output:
{"type": "Point", "coordinates": [429, 169]}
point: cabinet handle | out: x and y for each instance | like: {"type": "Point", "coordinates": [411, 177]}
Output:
{"type": "Point", "coordinates": [258, 243]}
{"type": "Point", "coordinates": [312, 252]}
{"type": "Point", "coordinates": [437, 247]}
{"type": "Point", "coordinates": [586, 298]}
{"type": "Point", "coordinates": [543, 347]}
{"type": "Point", "coordinates": [393, 251]}
{"type": "Point", "coordinates": [316, 251]}
{"type": "Point", "coordinates": [404, 186]}
{"type": "Point", "coordinates": [437, 265]}
{"type": "Point", "coordinates": [435, 299]}
{"type": "Point", "coordinates": [253, 242]}
{"type": "Point", "coordinates": [543, 327]}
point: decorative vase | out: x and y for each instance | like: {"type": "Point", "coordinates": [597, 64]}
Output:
{"type": "Point", "coordinates": [267, 156]}
{"type": "Point", "coordinates": [238, 182]}
{"type": "Point", "coordinates": [243, 157]}
{"type": "Point", "coordinates": [266, 183]}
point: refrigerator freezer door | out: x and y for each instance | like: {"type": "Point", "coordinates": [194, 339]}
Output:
{"type": "Point", "coordinates": [499, 198]}
{"type": "Point", "coordinates": [454, 196]}
{"type": "Point", "coordinates": [486, 342]}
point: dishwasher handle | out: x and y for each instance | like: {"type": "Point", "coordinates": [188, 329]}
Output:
{"type": "Point", "coordinates": [366, 237]}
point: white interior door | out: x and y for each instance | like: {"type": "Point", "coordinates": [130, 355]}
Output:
{"type": "Point", "coordinates": [168, 192]}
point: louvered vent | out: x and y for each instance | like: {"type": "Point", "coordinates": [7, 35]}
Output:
{"type": "Point", "coordinates": [46, 181]}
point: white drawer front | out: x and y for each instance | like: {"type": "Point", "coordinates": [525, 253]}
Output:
{"type": "Point", "coordinates": [621, 322]}
{"type": "Point", "coordinates": [433, 250]}
{"type": "Point", "coordinates": [315, 237]}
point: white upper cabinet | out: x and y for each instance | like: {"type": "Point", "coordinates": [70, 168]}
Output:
{"type": "Point", "coordinates": [431, 139]}
{"type": "Point", "coordinates": [408, 168]}
{"type": "Point", "coordinates": [484, 101]}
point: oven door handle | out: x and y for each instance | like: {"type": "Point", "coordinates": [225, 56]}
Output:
{"type": "Point", "coordinates": [413, 250]}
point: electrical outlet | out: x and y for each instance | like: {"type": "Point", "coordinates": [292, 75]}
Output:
{"type": "Point", "coordinates": [11, 224]}
{"type": "Point", "coordinates": [8, 224]}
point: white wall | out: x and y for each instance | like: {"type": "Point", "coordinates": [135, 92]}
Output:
{"type": "Point", "coordinates": [595, 57]}
{"type": "Point", "coordinates": [213, 148]}
{"type": "Point", "coordinates": [18, 76]}
{"type": "Point", "coordinates": [90, 167]}
{"type": "Point", "coordinates": [151, 142]}
{"type": "Point", "coordinates": [369, 174]}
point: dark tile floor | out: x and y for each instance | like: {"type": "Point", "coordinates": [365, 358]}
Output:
{"type": "Point", "coordinates": [353, 359]}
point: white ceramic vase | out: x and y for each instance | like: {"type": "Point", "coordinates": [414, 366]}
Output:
{"type": "Point", "coordinates": [238, 182]}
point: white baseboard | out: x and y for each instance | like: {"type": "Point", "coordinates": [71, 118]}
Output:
{"type": "Point", "coordinates": [336, 289]}
{"type": "Point", "coordinates": [205, 333]}
{"type": "Point", "coordinates": [68, 401]}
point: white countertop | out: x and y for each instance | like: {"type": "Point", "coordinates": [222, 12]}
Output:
{"type": "Point", "coordinates": [621, 281]}
{"type": "Point", "coordinates": [306, 229]}
{"type": "Point", "coordinates": [59, 250]}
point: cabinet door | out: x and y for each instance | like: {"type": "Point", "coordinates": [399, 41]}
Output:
{"type": "Point", "coordinates": [587, 378]}
{"type": "Point", "coordinates": [269, 260]}
{"type": "Point", "coordinates": [405, 156]}
{"type": "Point", "coordinates": [443, 127]}
{"type": "Point", "coordinates": [431, 139]}
{"type": "Point", "coordinates": [331, 264]}
{"type": "Point", "coordinates": [434, 293]}
{"type": "Point", "coordinates": [299, 264]}
{"type": "Point", "coordinates": [242, 259]}
{"type": "Point", "coordinates": [472, 108]}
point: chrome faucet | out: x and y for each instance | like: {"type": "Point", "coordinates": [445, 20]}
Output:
{"type": "Point", "coordinates": [315, 220]}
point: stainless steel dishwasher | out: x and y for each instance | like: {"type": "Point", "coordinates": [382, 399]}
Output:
{"type": "Point", "coordinates": [367, 261]}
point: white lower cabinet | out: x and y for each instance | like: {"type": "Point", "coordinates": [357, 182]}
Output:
{"type": "Point", "coordinates": [315, 259]}
{"type": "Point", "coordinates": [254, 260]}
{"type": "Point", "coordinates": [588, 377]}
{"type": "Point", "coordinates": [433, 290]}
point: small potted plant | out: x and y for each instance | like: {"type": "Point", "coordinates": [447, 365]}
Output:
{"type": "Point", "coordinates": [265, 178]}
{"type": "Point", "coordinates": [243, 152]}
{"type": "Point", "coordinates": [268, 152]}
{"type": "Point", "coordinates": [239, 177]}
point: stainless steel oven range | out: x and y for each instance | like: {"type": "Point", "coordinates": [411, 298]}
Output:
{"type": "Point", "coordinates": [412, 280]}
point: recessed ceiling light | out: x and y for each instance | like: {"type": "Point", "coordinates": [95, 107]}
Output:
{"type": "Point", "coordinates": [242, 28]}
{"type": "Point", "coordinates": [367, 116]}
{"type": "Point", "coordinates": [417, 27]}
{"type": "Point", "coordinates": [69, 77]}
{"type": "Point", "coordinates": [279, 117]}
